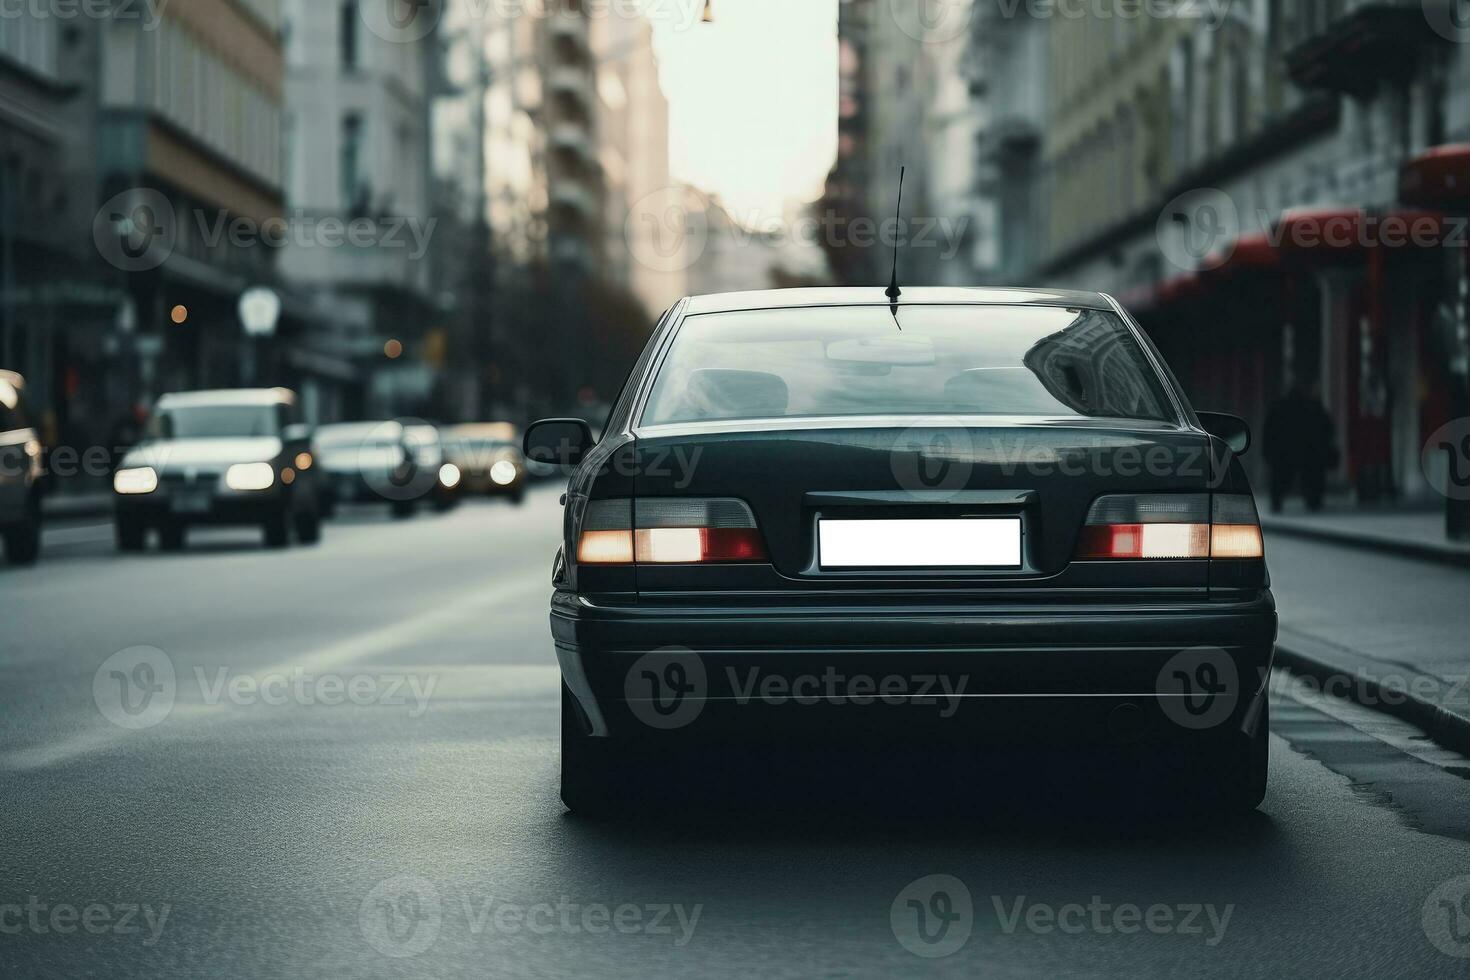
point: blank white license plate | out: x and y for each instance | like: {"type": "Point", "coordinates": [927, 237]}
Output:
{"type": "Point", "coordinates": [990, 542]}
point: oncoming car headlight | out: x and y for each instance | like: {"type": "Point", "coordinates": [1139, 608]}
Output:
{"type": "Point", "coordinates": [250, 476]}
{"type": "Point", "coordinates": [138, 480]}
{"type": "Point", "coordinates": [449, 476]}
{"type": "Point", "coordinates": [504, 473]}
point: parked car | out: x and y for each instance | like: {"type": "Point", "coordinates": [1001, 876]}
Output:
{"type": "Point", "coordinates": [1004, 492]}
{"type": "Point", "coordinates": [21, 474]}
{"type": "Point", "coordinates": [370, 463]}
{"type": "Point", "coordinates": [489, 458]}
{"type": "Point", "coordinates": [229, 457]}
{"type": "Point", "coordinates": [426, 444]}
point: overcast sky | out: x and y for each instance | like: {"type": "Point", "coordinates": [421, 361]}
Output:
{"type": "Point", "coordinates": [753, 100]}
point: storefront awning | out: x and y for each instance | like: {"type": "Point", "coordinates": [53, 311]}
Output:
{"type": "Point", "coordinates": [1322, 234]}
{"type": "Point", "coordinates": [1439, 177]}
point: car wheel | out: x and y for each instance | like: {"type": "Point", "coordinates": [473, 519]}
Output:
{"type": "Point", "coordinates": [403, 508]}
{"type": "Point", "coordinates": [171, 537]}
{"type": "Point", "coordinates": [23, 542]}
{"type": "Point", "coordinates": [277, 530]}
{"type": "Point", "coordinates": [129, 535]}
{"type": "Point", "coordinates": [309, 527]}
{"type": "Point", "coordinates": [588, 774]}
{"type": "Point", "coordinates": [1234, 780]}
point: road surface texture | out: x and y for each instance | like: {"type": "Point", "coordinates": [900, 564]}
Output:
{"type": "Point", "coordinates": [342, 762]}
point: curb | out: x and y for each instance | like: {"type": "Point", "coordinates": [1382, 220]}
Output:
{"type": "Point", "coordinates": [1444, 554]}
{"type": "Point", "coordinates": [1448, 727]}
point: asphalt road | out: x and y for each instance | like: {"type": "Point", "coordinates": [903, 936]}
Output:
{"type": "Point", "coordinates": [352, 772]}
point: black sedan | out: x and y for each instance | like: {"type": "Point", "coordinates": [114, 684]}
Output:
{"type": "Point", "coordinates": [968, 523]}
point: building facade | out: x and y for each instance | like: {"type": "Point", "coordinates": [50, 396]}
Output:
{"type": "Point", "coordinates": [357, 152]}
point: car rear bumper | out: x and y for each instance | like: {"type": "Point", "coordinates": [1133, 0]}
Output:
{"type": "Point", "coordinates": [1070, 676]}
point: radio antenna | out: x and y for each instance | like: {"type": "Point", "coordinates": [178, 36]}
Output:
{"type": "Point", "coordinates": [893, 291]}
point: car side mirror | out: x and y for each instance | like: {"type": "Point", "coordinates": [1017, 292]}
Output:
{"type": "Point", "coordinates": [1232, 430]}
{"type": "Point", "coordinates": [299, 432]}
{"type": "Point", "coordinates": [560, 442]}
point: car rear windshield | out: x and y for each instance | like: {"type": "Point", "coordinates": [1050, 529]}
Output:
{"type": "Point", "coordinates": [213, 422]}
{"type": "Point", "coordinates": [927, 360]}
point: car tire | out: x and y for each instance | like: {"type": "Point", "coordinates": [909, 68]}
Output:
{"type": "Point", "coordinates": [309, 527]}
{"type": "Point", "coordinates": [588, 774]}
{"type": "Point", "coordinates": [23, 542]}
{"type": "Point", "coordinates": [403, 509]}
{"type": "Point", "coordinates": [1236, 782]}
{"type": "Point", "coordinates": [277, 530]}
{"type": "Point", "coordinates": [518, 498]}
{"type": "Point", "coordinates": [172, 537]}
{"type": "Point", "coordinates": [130, 535]}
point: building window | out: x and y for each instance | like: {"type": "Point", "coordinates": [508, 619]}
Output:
{"type": "Point", "coordinates": [350, 177]}
{"type": "Point", "coordinates": [348, 28]}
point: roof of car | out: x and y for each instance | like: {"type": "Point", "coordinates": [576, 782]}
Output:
{"type": "Point", "coordinates": [229, 396]}
{"type": "Point", "coordinates": [774, 299]}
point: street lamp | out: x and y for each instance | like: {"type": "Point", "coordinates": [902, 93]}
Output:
{"type": "Point", "coordinates": [260, 311]}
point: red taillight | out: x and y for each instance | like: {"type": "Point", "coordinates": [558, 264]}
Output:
{"type": "Point", "coordinates": [1162, 526]}
{"type": "Point", "coordinates": [669, 531]}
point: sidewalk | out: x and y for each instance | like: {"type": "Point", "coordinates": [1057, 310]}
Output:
{"type": "Point", "coordinates": [1371, 610]}
{"type": "Point", "coordinates": [76, 506]}
{"type": "Point", "coordinates": [1413, 534]}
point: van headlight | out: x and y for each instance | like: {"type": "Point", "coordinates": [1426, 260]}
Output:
{"type": "Point", "coordinates": [250, 476]}
{"type": "Point", "coordinates": [138, 480]}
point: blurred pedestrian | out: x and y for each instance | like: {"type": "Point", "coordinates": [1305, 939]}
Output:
{"type": "Point", "coordinates": [1301, 446]}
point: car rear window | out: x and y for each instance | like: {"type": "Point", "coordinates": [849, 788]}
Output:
{"type": "Point", "coordinates": [927, 360]}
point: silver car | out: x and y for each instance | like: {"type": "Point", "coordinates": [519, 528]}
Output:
{"type": "Point", "coordinates": [220, 457]}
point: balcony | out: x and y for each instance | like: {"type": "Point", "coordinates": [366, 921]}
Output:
{"type": "Point", "coordinates": [1370, 43]}
{"type": "Point", "coordinates": [572, 197]}
{"type": "Point", "coordinates": [571, 138]}
{"type": "Point", "coordinates": [571, 81]}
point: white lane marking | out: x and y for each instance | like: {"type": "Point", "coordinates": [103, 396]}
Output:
{"type": "Point", "coordinates": [366, 644]}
